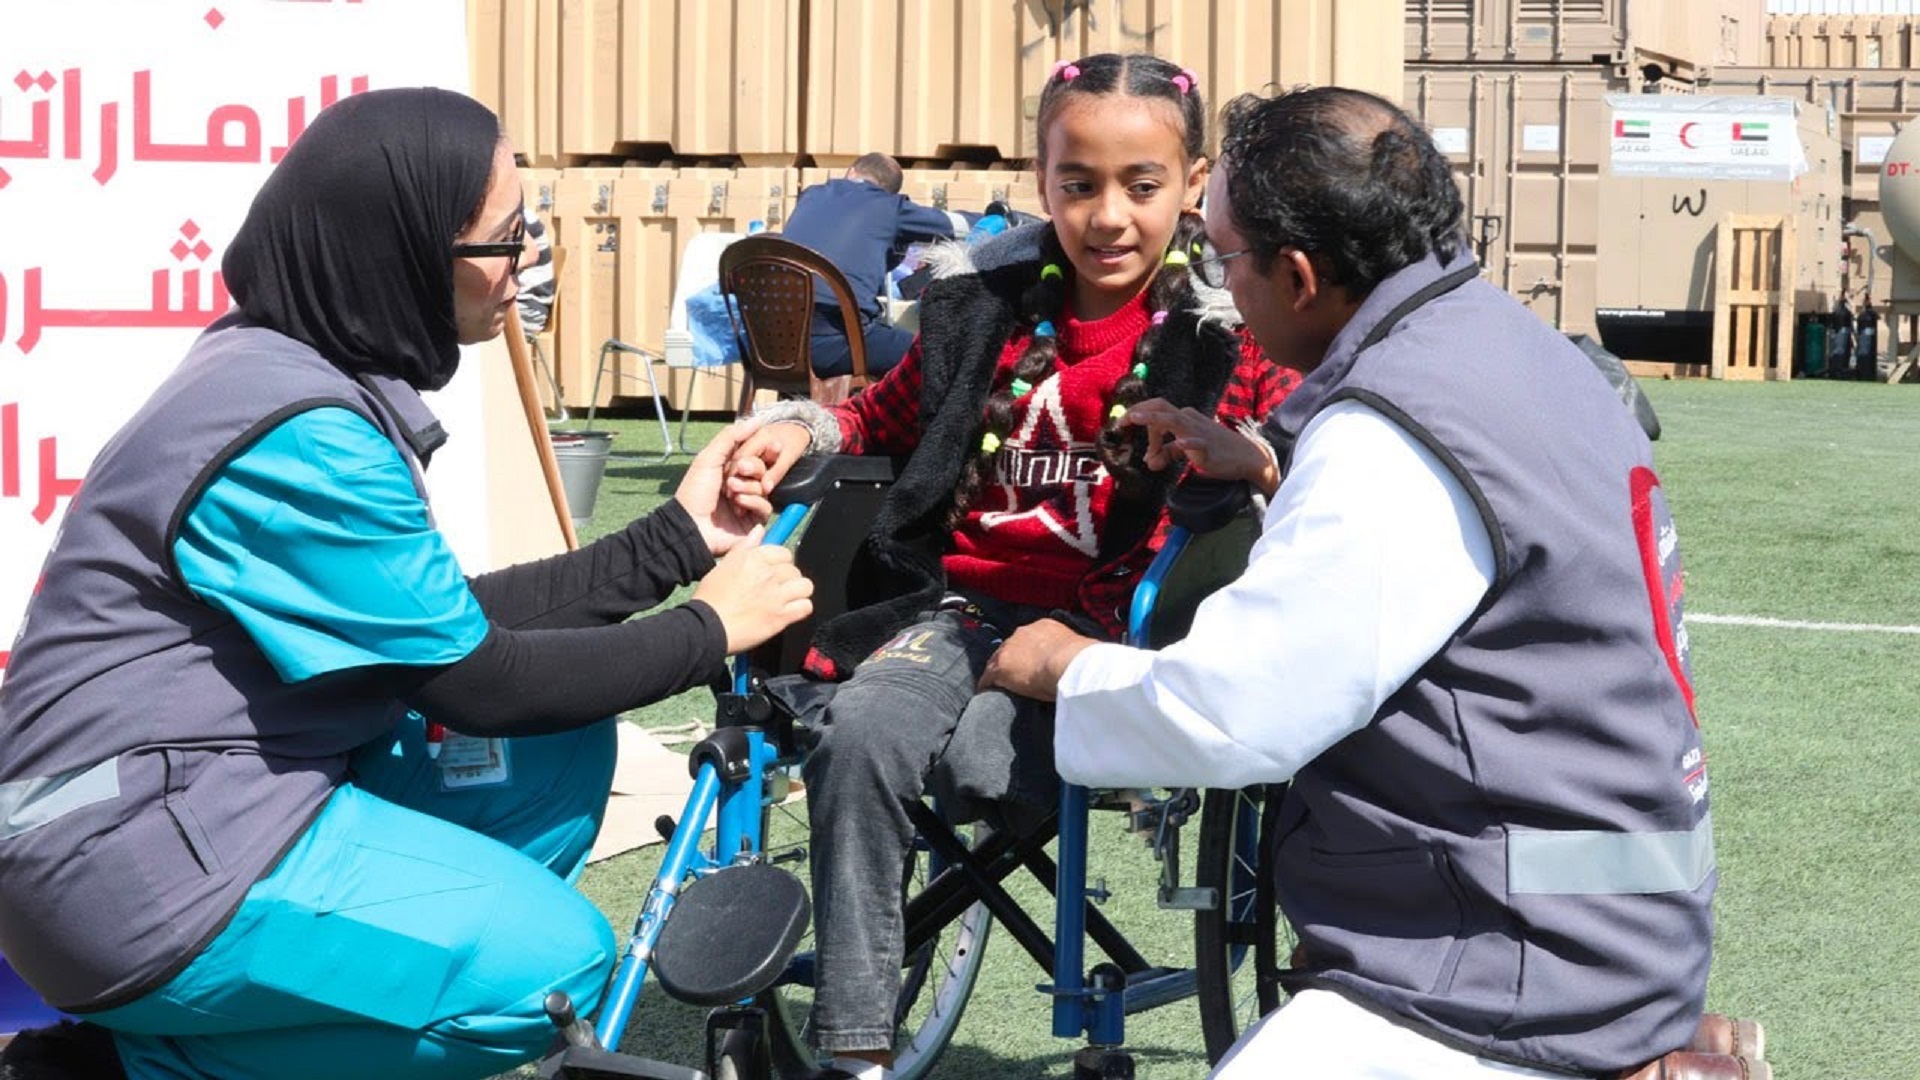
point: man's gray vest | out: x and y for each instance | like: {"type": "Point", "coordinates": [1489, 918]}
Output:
{"type": "Point", "coordinates": [1515, 855]}
{"type": "Point", "coordinates": [152, 764]}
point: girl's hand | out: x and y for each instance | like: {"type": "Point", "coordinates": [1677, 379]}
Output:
{"type": "Point", "coordinates": [757, 592]}
{"type": "Point", "coordinates": [723, 522]}
{"type": "Point", "coordinates": [757, 465]}
{"type": "Point", "coordinates": [1213, 449]}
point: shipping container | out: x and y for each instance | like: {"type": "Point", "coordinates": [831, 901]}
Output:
{"type": "Point", "coordinates": [1685, 35]}
{"type": "Point", "coordinates": [1866, 137]}
{"type": "Point", "coordinates": [1659, 237]}
{"type": "Point", "coordinates": [1869, 108]}
{"type": "Point", "coordinates": [1527, 145]}
{"type": "Point", "coordinates": [1842, 41]}
{"type": "Point", "coordinates": [961, 79]}
{"type": "Point", "coordinates": [1848, 91]}
{"type": "Point", "coordinates": [1870, 258]}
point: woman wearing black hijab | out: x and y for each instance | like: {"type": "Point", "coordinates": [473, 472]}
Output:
{"type": "Point", "coordinates": [229, 835]}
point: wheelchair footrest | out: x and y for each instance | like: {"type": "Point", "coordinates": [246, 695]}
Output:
{"type": "Point", "coordinates": [592, 1063]}
{"type": "Point", "coordinates": [731, 933]}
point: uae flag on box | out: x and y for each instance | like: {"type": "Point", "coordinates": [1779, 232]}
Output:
{"type": "Point", "coordinates": [1632, 129]}
{"type": "Point", "coordinates": [1749, 132]}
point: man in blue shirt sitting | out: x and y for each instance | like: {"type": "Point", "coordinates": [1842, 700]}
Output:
{"type": "Point", "coordinates": [862, 223]}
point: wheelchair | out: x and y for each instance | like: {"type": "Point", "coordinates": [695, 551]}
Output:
{"type": "Point", "coordinates": [724, 923]}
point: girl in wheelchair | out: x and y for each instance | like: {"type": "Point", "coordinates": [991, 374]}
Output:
{"type": "Point", "coordinates": [1021, 497]}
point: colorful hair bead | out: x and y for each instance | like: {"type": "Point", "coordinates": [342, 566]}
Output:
{"type": "Point", "coordinates": [1117, 412]}
{"type": "Point", "coordinates": [1052, 270]}
{"type": "Point", "coordinates": [1044, 328]}
{"type": "Point", "coordinates": [1186, 80]}
{"type": "Point", "coordinates": [990, 443]}
{"type": "Point", "coordinates": [1065, 70]}
{"type": "Point", "coordinates": [1159, 317]}
{"type": "Point", "coordinates": [1176, 257]}
{"type": "Point", "coordinates": [1020, 387]}
{"type": "Point", "coordinates": [1140, 371]}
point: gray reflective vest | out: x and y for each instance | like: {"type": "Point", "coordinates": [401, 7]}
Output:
{"type": "Point", "coordinates": [1515, 855]}
{"type": "Point", "coordinates": [152, 764]}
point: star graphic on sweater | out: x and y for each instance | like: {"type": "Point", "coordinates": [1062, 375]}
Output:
{"type": "Point", "coordinates": [1076, 470]}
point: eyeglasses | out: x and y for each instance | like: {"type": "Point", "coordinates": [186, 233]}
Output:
{"type": "Point", "coordinates": [1210, 266]}
{"type": "Point", "coordinates": [511, 248]}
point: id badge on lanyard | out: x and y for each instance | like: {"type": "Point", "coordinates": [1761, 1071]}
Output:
{"type": "Point", "coordinates": [467, 761]}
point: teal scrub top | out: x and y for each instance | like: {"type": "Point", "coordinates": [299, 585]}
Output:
{"type": "Point", "coordinates": [315, 539]}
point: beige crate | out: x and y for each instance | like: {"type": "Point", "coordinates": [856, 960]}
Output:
{"type": "Point", "coordinates": [1842, 41]}
{"type": "Point", "coordinates": [962, 78]}
{"type": "Point", "coordinates": [963, 190]}
{"type": "Point", "coordinates": [649, 78]}
{"type": "Point", "coordinates": [925, 79]}
{"type": "Point", "coordinates": [1291, 42]}
{"type": "Point", "coordinates": [1658, 240]}
{"type": "Point", "coordinates": [626, 231]}
{"type": "Point", "coordinates": [1688, 33]}
{"type": "Point", "coordinates": [514, 65]}
{"type": "Point", "coordinates": [1527, 147]}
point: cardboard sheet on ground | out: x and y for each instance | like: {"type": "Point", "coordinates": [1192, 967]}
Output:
{"type": "Point", "coordinates": [648, 781]}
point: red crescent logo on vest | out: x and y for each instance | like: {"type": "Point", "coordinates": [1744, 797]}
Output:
{"type": "Point", "coordinates": [1659, 544]}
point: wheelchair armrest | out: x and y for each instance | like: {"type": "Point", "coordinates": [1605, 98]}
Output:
{"type": "Point", "coordinates": [813, 476]}
{"type": "Point", "coordinates": [1202, 504]}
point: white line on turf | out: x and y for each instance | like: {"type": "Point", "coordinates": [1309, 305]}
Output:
{"type": "Point", "coordinates": [1799, 624]}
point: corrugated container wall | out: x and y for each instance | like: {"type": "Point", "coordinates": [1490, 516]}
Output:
{"type": "Point", "coordinates": [962, 78]}
{"type": "Point", "coordinates": [1843, 41]}
{"type": "Point", "coordinates": [1527, 145]}
{"type": "Point", "coordinates": [1689, 33]}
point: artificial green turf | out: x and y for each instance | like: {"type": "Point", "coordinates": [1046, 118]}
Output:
{"type": "Point", "coordinates": [1795, 501]}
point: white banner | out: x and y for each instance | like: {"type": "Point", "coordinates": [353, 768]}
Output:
{"type": "Point", "coordinates": [133, 134]}
{"type": "Point", "coordinates": [1713, 138]}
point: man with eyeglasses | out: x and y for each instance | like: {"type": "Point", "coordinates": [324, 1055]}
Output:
{"type": "Point", "coordinates": [1458, 641]}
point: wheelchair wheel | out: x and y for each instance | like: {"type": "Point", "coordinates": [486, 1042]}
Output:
{"type": "Point", "coordinates": [736, 1057]}
{"type": "Point", "coordinates": [1238, 943]}
{"type": "Point", "coordinates": [935, 983]}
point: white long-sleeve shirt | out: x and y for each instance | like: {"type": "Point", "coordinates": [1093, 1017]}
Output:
{"type": "Point", "coordinates": [1371, 556]}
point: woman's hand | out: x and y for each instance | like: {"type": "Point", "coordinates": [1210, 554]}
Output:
{"type": "Point", "coordinates": [757, 465]}
{"type": "Point", "coordinates": [723, 522]}
{"type": "Point", "coordinates": [757, 592]}
{"type": "Point", "coordinates": [1213, 449]}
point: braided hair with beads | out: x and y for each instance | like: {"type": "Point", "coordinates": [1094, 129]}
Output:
{"type": "Point", "coordinates": [1045, 300]}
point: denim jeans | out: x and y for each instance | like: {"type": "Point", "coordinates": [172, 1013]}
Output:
{"type": "Point", "coordinates": [886, 729]}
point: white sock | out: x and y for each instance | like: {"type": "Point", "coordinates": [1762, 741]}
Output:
{"type": "Point", "coordinates": [859, 1069]}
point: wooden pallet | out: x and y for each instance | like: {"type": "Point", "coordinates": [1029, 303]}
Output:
{"type": "Point", "coordinates": [1666, 369]}
{"type": "Point", "coordinates": [1754, 263]}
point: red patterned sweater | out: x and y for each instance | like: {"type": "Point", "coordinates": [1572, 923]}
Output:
{"type": "Point", "coordinates": [1032, 535]}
